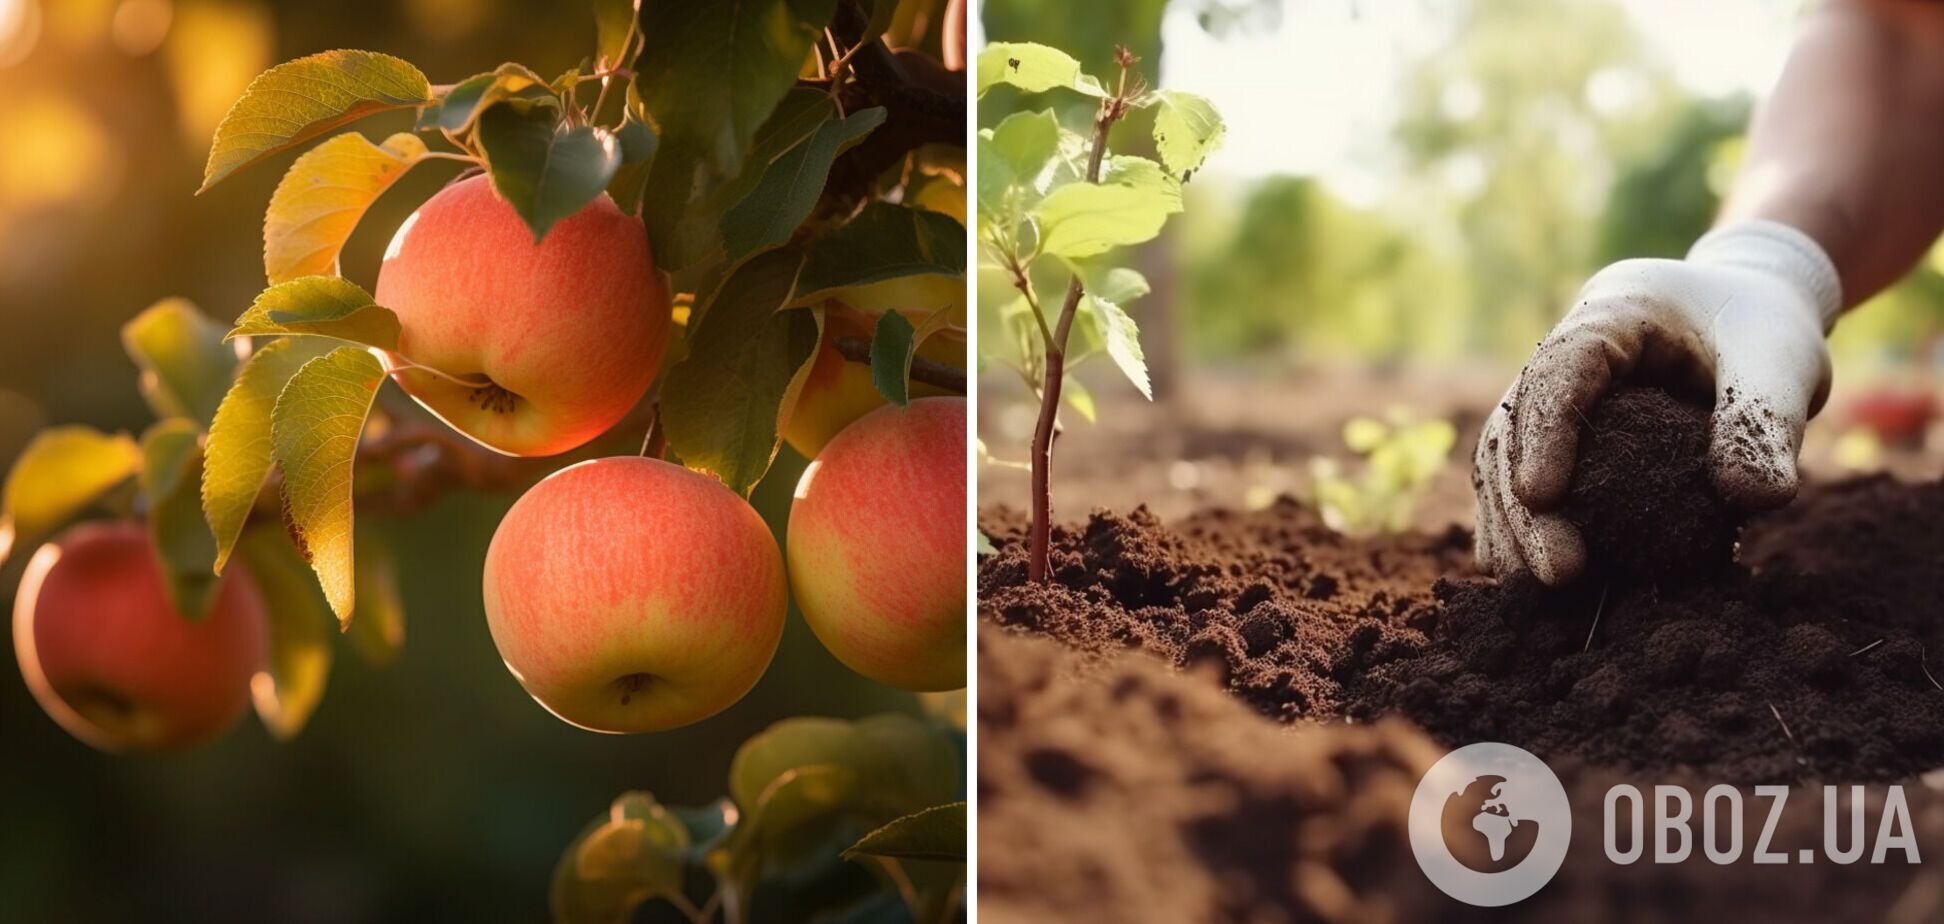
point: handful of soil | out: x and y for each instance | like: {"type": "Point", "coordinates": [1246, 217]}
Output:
{"type": "Point", "coordinates": [1640, 493]}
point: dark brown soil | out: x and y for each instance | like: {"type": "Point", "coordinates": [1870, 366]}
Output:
{"type": "Point", "coordinates": [1811, 663]}
{"type": "Point", "coordinates": [1640, 493]}
{"type": "Point", "coordinates": [1119, 791]}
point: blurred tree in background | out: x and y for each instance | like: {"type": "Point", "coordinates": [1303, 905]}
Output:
{"type": "Point", "coordinates": [431, 790]}
{"type": "Point", "coordinates": [1540, 141]}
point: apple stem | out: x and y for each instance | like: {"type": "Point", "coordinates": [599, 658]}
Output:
{"type": "Point", "coordinates": [401, 364]}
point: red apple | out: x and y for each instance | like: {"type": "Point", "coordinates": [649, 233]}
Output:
{"type": "Point", "coordinates": [877, 545]}
{"type": "Point", "coordinates": [566, 335]}
{"type": "Point", "coordinates": [631, 595]}
{"type": "Point", "coordinates": [111, 660]}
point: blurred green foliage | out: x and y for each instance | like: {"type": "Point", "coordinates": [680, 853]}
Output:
{"type": "Point", "coordinates": [1541, 140]}
{"type": "Point", "coordinates": [429, 789]}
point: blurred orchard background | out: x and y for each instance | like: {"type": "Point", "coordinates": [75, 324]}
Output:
{"type": "Point", "coordinates": [432, 789]}
{"type": "Point", "coordinates": [1409, 196]}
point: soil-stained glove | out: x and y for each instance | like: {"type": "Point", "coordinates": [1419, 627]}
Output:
{"type": "Point", "coordinates": [1745, 313]}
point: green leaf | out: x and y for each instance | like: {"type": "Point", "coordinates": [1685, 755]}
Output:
{"type": "Point", "coordinates": [692, 235]}
{"type": "Point", "coordinates": [986, 547]}
{"type": "Point", "coordinates": [314, 435]}
{"type": "Point", "coordinates": [61, 472]}
{"type": "Point", "coordinates": [791, 185]}
{"type": "Point", "coordinates": [883, 242]}
{"type": "Point", "coordinates": [1128, 206]}
{"type": "Point", "coordinates": [891, 349]}
{"type": "Point", "coordinates": [936, 833]}
{"type": "Point", "coordinates": [171, 468]}
{"type": "Point", "coordinates": [1122, 340]}
{"type": "Point", "coordinates": [900, 760]}
{"type": "Point", "coordinates": [296, 101]}
{"type": "Point", "coordinates": [1023, 144]}
{"type": "Point", "coordinates": [185, 364]}
{"type": "Point", "coordinates": [236, 459]}
{"type": "Point", "coordinates": [323, 195]}
{"type": "Point", "coordinates": [788, 822]}
{"type": "Point", "coordinates": [722, 402]}
{"type": "Point", "coordinates": [634, 853]}
{"type": "Point", "coordinates": [300, 626]}
{"type": "Point", "coordinates": [319, 306]}
{"type": "Point", "coordinates": [545, 169]}
{"type": "Point", "coordinates": [614, 25]}
{"type": "Point", "coordinates": [456, 112]}
{"type": "Point", "coordinates": [1033, 68]}
{"type": "Point", "coordinates": [710, 73]}
{"type": "Point", "coordinates": [1186, 129]}
{"type": "Point", "coordinates": [378, 616]}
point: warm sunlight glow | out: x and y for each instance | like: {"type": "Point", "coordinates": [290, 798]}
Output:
{"type": "Point", "coordinates": [20, 26]}
{"type": "Point", "coordinates": [56, 152]}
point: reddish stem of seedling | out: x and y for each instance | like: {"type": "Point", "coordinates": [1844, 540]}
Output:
{"type": "Point", "coordinates": [1112, 110]}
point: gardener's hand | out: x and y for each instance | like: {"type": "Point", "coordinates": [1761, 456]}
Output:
{"type": "Point", "coordinates": [1745, 313]}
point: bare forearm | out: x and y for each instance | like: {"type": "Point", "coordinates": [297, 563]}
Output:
{"type": "Point", "coordinates": [1849, 147]}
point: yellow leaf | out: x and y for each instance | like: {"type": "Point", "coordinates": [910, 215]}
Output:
{"type": "Point", "coordinates": [58, 475]}
{"type": "Point", "coordinates": [314, 433]}
{"type": "Point", "coordinates": [323, 195]}
{"type": "Point", "coordinates": [296, 101]}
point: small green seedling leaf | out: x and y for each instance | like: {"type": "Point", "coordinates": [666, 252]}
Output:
{"type": "Point", "coordinates": [314, 434]}
{"type": "Point", "coordinates": [1116, 331]}
{"type": "Point", "coordinates": [1186, 130]}
{"type": "Point", "coordinates": [1013, 160]}
{"type": "Point", "coordinates": [882, 242]}
{"type": "Point", "coordinates": [61, 472]}
{"type": "Point", "coordinates": [986, 547]}
{"type": "Point", "coordinates": [544, 168]}
{"type": "Point", "coordinates": [1128, 206]}
{"type": "Point", "coordinates": [323, 195]}
{"type": "Point", "coordinates": [299, 665]}
{"type": "Point", "coordinates": [721, 404]}
{"type": "Point", "coordinates": [891, 348]}
{"type": "Point", "coordinates": [171, 468]}
{"type": "Point", "coordinates": [1033, 68]}
{"type": "Point", "coordinates": [236, 459]}
{"type": "Point", "coordinates": [319, 306]}
{"type": "Point", "coordinates": [936, 833]}
{"type": "Point", "coordinates": [791, 184]}
{"type": "Point", "coordinates": [186, 366]}
{"type": "Point", "coordinates": [635, 853]}
{"type": "Point", "coordinates": [296, 101]}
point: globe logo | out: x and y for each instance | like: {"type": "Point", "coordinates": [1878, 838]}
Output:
{"type": "Point", "coordinates": [1482, 832]}
{"type": "Point", "coordinates": [1490, 824]}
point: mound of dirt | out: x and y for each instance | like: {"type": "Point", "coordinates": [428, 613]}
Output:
{"type": "Point", "coordinates": [1640, 492]}
{"type": "Point", "coordinates": [1287, 610]}
{"type": "Point", "coordinates": [1118, 790]}
{"type": "Point", "coordinates": [1811, 662]}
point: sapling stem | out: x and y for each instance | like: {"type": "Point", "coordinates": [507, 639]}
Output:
{"type": "Point", "coordinates": [1112, 109]}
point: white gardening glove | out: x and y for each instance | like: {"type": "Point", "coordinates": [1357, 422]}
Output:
{"type": "Point", "coordinates": [1746, 312]}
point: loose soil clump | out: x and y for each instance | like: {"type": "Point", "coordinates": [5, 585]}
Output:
{"type": "Point", "coordinates": [1640, 492]}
